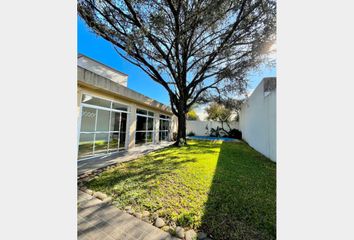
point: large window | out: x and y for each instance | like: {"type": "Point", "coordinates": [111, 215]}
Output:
{"type": "Point", "coordinates": [164, 128]}
{"type": "Point", "coordinates": [103, 127]}
{"type": "Point", "coordinates": [144, 127]}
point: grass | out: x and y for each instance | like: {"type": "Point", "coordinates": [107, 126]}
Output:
{"type": "Point", "coordinates": [225, 189]}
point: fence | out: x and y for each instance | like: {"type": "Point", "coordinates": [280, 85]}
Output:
{"type": "Point", "coordinates": [202, 128]}
{"type": "Point", "coordinates": [258, 118]}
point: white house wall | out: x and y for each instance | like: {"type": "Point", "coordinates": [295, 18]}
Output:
{"type": "Point", "coordinates": [258, 121]}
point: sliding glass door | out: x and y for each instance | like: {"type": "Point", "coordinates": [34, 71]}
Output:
{"type": "Point", "coordinates": [164, 129]}
{"type": "Point", "coordinates": [102, 127]}
{"type": "Point", "coordinates": [144, 127]}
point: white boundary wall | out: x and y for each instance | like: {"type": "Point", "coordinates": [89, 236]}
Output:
{"type": "Point", "coordinates": [258, 121]}
{"type": "Point", "coordinates": [199, 127]}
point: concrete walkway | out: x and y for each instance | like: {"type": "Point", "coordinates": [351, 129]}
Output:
{"type": "Point", "coordinates": [84, 166]}
{"type": "Point", "coordinates": [97, 220]}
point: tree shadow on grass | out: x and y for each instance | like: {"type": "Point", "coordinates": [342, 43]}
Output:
{"type": "Point", "coordinates": [242, 199]}
{"type": "Point", "coordinates": [131, 183]}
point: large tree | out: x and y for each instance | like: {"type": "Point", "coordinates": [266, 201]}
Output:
{"type": "Point", "coordinates": [187, 46]}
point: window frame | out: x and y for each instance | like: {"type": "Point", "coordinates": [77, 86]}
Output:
{"type": "Point", "coordinates": [146, 131]}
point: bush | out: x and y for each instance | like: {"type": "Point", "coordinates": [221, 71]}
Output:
{"type": "Point", "coordinates": [190, 134]}
{"type": "Point", "coordinates": [235, 133]}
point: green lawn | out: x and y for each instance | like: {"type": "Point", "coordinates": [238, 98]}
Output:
{"type": "Point", "coordinates": [225, 189]}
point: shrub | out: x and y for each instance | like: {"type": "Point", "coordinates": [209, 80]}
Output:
{"type": "Point", "coordinates": [235, 133]}
{"type": "Point", "coordinates": [191, 134]}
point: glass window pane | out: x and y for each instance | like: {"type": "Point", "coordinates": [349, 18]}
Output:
{"type": "Point", "coordinates": [140, 123]}
{"type": "Point", "coordinates": [85, 145]}
{"type": "Point", "coordinates": [101, 143]}
{"type": "Point", "coordinates": [151, 114]}
{"type": "Point", "coordinates": [119, 106]}
{"type": "Point", "coordinates": [88, 118]}
{"type": "Point", "coordinates": [122, 140]}
{"type": "Point", "coordinates": [140, 138]}
{"type": "Point", "coordinates": [162, 116]}
{"type": "Point", "coordinates": [123, 123]}
{"type": "Point", "coordinates": [115, 121]}
{"type": "Point", "coordinates": [149, 137]}
{"type": "Point", "coordinates": [150, 124]}
{"type": "Point", "coordinates": [102, 120]}
{"type": "Point", "coordinates": [113, 142]}
{"type": "Point", "coordinates": [167, 125]}
{"type": "Point", "coordinates": [140, 111]}
{"type": "Point", "coordinates": [95, 101]}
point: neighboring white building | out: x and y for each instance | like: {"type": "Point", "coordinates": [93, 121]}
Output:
{"type": "Point", "coordinates": [258, 118]}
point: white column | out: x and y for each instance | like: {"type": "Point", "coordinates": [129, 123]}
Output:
{"type": "Point", "coordinates": [131, 126]}
{"type": "Point", "coordinates": [156, 126]}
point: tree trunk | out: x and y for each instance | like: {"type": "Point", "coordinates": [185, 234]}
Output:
{"type": "Point", "coordinates": [181, 130]}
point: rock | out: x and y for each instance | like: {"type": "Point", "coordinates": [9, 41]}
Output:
{"type": "Point", "coordinates": [154, 216]}
{"type": "Point", "coordinates": [191, 235]}
{"type": "Point", "coordinates": [166, 228]}
{"type": "Point", "coordinates": [138, 215]}
{"type": "Point", "coordinates": [88, 191]}
{"type": "Point", "coordinates": [180, 232]}
{"type": "Point", "coordinates": [159, 222]}
{"type": "Point", "coordinates": [129, 209]}
{"type": "Point", "coordinates": [146, 214]}
{"type": "Point", "coordinates": [172, 224]}
{"type": "Point", "coordinates": [107, 200]}
{"type": "Point", "coordinates": [202, 235]}
{"type": "Point", "coordinates": [100, 195]}
{"type": "Point", "coordinates": [146, 219]}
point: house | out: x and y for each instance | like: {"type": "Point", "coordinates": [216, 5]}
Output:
{"type": "Point", "coordinates": [258, 118]}
{"type": "Point", "coordinates": [112, 117]}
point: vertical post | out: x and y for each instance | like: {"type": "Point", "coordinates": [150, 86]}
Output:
{"type": "Point", "coordinates": [156, 127]}
{"type": "Point", "coordinates": [131, 126]}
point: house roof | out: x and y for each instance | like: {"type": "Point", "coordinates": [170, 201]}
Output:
{"type": "Point", "coordinates": [93, 80]}
{"type": "Point", "coordinates": [102, 64]}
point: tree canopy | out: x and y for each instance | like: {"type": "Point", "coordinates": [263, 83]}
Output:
{"type": "Point", "coordinates": [192, 115]}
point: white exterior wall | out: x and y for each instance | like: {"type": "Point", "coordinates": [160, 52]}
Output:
{"type": "Point", "coordinates": [102, 70]}
{"type": "Point", "coordinates": [199, 127]}
{"type": "Point", "coordinates": [258, 121]}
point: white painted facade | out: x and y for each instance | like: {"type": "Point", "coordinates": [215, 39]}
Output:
{"type": "Point", "coordinates": [258, 119]}
{"type": "Point", "coordinates": [202, 128]}
{"type": "Point", "coordinates": [102, 70]}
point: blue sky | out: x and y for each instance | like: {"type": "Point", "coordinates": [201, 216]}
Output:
{"type": "Point", "coordinates": [101, 50]}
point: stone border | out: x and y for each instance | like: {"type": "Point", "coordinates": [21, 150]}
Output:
{"type": "Point", "coordinates": [145, 216]}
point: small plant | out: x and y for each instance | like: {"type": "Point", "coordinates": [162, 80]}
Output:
{"type": "Point", "coordinates": [185, 219]}
{"type": "Point", "coordinates": [235, 133]}
{"type": "Point", "coordinates": [218, 132]}
{"type": "Point", "coordinates": [190, 134]}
